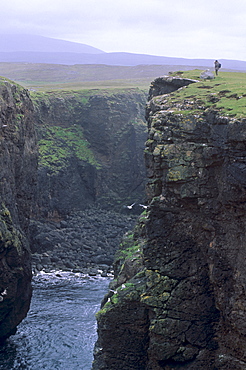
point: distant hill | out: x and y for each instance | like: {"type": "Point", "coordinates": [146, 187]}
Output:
{"type": "Point", "coordinates": [17, 44]}
{"type": "Point", "coordinates": [40, 49]}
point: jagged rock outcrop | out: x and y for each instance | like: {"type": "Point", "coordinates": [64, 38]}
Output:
{"type": "Point", "coordinates": [178, 297]}
{"type": "Point", "coordinates": [91, 150]}
{"type": "Point", "coordinates": [18, 157]}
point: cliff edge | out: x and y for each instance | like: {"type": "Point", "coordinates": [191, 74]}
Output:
{"type": "Point", "coordinates": [18, 158]}
{"type": "Point", "coordinates": [178, 297]}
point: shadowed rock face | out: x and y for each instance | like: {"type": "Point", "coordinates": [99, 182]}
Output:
{"type": "Point", "coordinates": [183, 270]}
{"type": "Point", "coordinates": [18, 160]}
{"type": "Point", "coordinates": [113, 172]}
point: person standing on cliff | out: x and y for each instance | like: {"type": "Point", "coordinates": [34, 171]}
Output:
{"type": "Point", "coordinates": [217, 66]}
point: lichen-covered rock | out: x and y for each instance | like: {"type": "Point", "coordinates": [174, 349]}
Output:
{"type": "Point", "coordinates": [18, 161]}
{"type": "Point", "coordinates": [184, 308]}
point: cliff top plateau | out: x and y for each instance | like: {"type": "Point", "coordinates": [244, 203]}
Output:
{"type": "Point", "coordinates": [226, 93]}
{"type": "Point", "coordinates": [48, 76]}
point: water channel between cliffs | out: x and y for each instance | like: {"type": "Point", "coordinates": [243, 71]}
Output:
{"type": "Point", "coordinates": [60, 330]}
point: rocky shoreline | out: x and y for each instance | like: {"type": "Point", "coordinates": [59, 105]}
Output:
{"type": "Point", "coordinates": [84, 242]}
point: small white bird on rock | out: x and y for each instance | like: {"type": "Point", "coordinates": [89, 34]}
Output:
{"type": "Point", "coordinates": [131, 206]}
{"type": "Point", "coordinates": [143, 206]}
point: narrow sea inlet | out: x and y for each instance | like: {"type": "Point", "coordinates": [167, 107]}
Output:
{"type": "Point", "coordinates": [59, 332]}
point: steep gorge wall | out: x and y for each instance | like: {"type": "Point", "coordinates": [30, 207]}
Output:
{"type": "Point", "coordinates": [90, 153]}
{"type": "Point", "coordinates": [91, 149]}
{"type": "Point", "coordinates": [18, 157]}
{"type": "Point", "coordinates": [178, 297]}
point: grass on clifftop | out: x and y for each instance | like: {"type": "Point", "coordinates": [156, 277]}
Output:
{"type": "Point", "coordinates": [226, 92]}
{"type": "Point", "coordinates": [83, 95]}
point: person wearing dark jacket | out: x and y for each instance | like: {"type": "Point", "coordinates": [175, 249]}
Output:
{"type": "Point", "coordinates": [217, 66]}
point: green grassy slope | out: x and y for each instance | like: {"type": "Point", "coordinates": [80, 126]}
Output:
{"type": "Point", "coordinates": [226, 93]}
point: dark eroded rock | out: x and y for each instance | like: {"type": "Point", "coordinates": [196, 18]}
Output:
{"type": "Point", "coordinates": [18, 162]}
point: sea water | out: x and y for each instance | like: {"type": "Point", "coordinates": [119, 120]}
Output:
{"type": "Point", "coordinates": [59, 331]}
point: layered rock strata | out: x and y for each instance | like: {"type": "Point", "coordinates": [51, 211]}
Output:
{"type": "Point", "coordinates": [18, 157]}
{"type": "Point", "coordinates": [178, 297]}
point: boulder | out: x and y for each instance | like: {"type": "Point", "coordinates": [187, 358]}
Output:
{"type": "Point", "coordinates": [207, 75]}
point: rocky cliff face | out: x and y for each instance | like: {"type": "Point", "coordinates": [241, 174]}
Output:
{"type": "Point", "coordinates": [178, 297]}
{"type": "Point", "coordinates": [18, 156]}
{"type": "Point", "coordinates": [91, 150]}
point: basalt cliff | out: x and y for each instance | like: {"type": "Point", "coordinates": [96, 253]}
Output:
{"type": "Point", "coordinates": [178, 297]}
{"type": "Point", "coordinates": [18, 156]}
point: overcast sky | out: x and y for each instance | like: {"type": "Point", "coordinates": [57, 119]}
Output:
{"type": "Point", "coordinates": [177, 28]}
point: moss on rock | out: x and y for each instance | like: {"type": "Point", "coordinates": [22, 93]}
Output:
{"type": "Point", "coordinates": [59, 144]}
